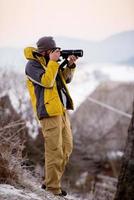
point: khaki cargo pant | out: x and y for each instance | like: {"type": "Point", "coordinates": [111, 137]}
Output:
{"type": "Point", "coordinates": [58, 147]}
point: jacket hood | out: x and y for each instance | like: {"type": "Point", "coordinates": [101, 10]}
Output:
{"type": "Point", "coordinates": [28, 53]}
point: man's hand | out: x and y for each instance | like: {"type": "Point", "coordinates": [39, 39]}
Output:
{"type": "Point", "coordinates": [54, 55]}
{"type": "Point", "coordinates": [71, 60]}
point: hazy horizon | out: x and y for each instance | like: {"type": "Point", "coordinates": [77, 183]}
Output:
{"type": "Point", "coordinates": [72, 38]}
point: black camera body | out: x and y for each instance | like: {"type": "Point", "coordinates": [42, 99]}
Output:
{"type": "Point", "coordinates": [66, 53]}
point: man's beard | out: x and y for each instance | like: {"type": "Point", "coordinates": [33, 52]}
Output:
{"type": "Point", "coordinates": [47, 58]}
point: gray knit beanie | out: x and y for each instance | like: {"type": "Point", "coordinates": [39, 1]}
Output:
{"type": "Point", "coordinates": [45, 43]}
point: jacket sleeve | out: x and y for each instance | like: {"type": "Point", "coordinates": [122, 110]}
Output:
{"type": "Point", "coordinates": [44, 77]}
{"type": "Point", "coordinates": [48, 78]}
{"type": "Point", "coordinates": [68, 73]}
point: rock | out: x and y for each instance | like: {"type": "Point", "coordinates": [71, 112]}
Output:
{"type": "Point", "coordinates": [99, 131]}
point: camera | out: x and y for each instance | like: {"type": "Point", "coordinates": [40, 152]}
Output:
{"type": "Point", "coordinates": [77, 53]}
{"type": "Point", "coordinates": [64, 53]}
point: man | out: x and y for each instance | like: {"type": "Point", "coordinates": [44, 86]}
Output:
{"type": "Point", "coordinates": [50, 99]}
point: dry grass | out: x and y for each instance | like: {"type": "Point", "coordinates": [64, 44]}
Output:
{"type": "Point", "coordinates": [11, 159]}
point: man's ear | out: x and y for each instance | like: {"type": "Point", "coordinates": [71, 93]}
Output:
{"type": "Point", "coordinates": [43, 53]}
{"type": "Point", "coordinates": [48, 52]}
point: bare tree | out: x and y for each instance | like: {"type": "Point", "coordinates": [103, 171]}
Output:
{"type": "Point", "coordinates": [125, 186]}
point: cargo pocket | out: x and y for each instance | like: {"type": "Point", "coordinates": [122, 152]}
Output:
{"type": "Point", "coordinates": [52, 133]}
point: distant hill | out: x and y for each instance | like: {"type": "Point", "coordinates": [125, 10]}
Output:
{"type": "Point", "coordinates": [115, 49]}
{"type": "Point", "coordinates": [130, 61]}
{"type": "Point", "coordinates": [12, 58]}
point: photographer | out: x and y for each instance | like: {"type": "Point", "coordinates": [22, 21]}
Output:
{"type": "Point", "coordinates": [50, 98]}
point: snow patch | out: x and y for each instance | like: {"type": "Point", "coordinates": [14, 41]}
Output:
{"type": "Point", "coordinates": [9, 190]}
{"type": "Point", "coordinates": [115, 154]}
{"type": "Point", "coordinates": [82, 179]}
{"type": "Point", "coordinates": [88, 77]}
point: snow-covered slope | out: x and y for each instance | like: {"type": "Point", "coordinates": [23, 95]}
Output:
{"type": "Point", "coordinates": [88, 77]}
{"type": "Point", "coordinates": [8, 192]}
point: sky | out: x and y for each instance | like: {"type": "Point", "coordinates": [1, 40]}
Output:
{"type": "Point", "coordinates": [25, 21]}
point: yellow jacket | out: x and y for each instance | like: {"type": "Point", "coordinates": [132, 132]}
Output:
{"type": "Point", "coordinates": [44, 82]}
